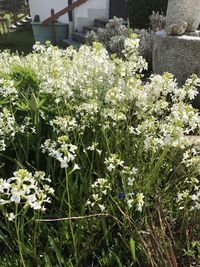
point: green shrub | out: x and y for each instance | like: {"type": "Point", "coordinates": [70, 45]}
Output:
{"type": "Point", "coordinates": [112, 36]}
{"type": "Point", "coordinates": [140, 10]}
{"type": "Point", "coordinates": [25, 79]}
{"type": "Point", "coordinates": [12, 5]}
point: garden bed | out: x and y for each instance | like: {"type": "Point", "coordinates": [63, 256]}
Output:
{"type": "Point", "coordinates": [96, 168]}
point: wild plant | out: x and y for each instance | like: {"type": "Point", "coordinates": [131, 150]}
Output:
{"type": "Point", "coordinates": [96, 166]}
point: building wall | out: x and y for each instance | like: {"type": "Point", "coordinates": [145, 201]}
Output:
{"type": "Point", "coordinates": [43, 9]}
{"type": "Point", "coordinates": [83, 15]}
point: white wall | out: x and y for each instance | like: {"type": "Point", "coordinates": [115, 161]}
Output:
{"type": "Point", "coordinates": [43, 9]}
{"type": "Point", "coordinates": [83, 15]}
{"type": "Point", "coordinates": [92, 9]}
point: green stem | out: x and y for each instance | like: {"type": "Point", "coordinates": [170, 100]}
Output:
{"type": "Point", "coordinates": [17, 227]}
{"type": "Point", "coordinates": [70, 215]}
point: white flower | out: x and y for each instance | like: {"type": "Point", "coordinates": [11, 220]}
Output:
{"type": "Point", "coordinates": [113, 162]}
{"type": "Point", "coordinates": [16, 196]}
{"type": "Point", "coordinates": [31, 198]}
{"type": "Point", "coordinates": [197, 206]}
{"type": "Point", "coordinates": [11, 216]}
{"type": "Point", "coordinates": [71, 156]}
{"type": "Point", "coordinates": [33, 130]}
{"type": "Point", "coordinates": [60, 148]}
{"type": "Point", "coordinates": [95, 197]}
{"type": "Point", "coordinates": [140, 201]}
{"type": "Point", "coordinates": [36, 205]}
{"type": "Point", "coordinates": [99, 151]}
{"type": "Point", "coordinates": [130, 181]}
{"type": "Point", "coordinates": [88, 202]}
{"type": "Point", "coordinates": [194, 197]}
{"type": "Point", "coordinates": [76, 167]}
{"type": "Point", "coordinates": [102, 207]}
{"type": "Point", "coordinates": [64, 162]}
{"type": "Point", "coordinates": [130, 203]}
{"type": "Point", "coordinates": [26, 188]}
{"type": "Point", "coordinates": [111, 167]}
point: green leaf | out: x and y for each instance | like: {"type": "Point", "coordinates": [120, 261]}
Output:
{"type": "Point", "coordinates": [118, 261]}
{"type": "Point", "coordinates": [34, 102]}
{"type": "Point", "coordinates": [132, 247]}
{"type": "Point", "coordinates": [22, 106]}
{"type": "Point", "coordinates": [47, 261]}
{"type": "Point", "coordinates": [57, 251]}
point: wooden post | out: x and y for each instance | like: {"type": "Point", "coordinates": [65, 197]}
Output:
{"type": "Point", "coordinates": [70, 28]}
{"type": "Point", "coordinates": [15, 17]}
{"type": "Point", "coordinates": [70, 13]}
{"type": "Point", "coordinates": [53, 21]}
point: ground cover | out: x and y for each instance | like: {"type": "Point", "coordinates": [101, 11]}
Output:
{"type": "Point", "coordinates": [96, 168]}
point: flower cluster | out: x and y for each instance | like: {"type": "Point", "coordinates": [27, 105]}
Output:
{"type": "Point", "coordinates": [7, 89]}
{"type": "Point", "coordinates": [94, 147]}
{"type": "Point", "coordinates": [165, 117]}
{"type": "Point", "coordinates": [64, 124]}
{"type": "Point", "coordinates": [31, 190]}
{"type": "Point", "coordinates": [113, 162]}
{"type": "Point", "coordinates": [132, 198]}
{"type": "Point", "coordinates": [190, 197]}
{"type": "Point", "coordinates": [130, 174]}
{"type": "Point", "coordinates": [7, 127]}
{"type": "Point", "coordinates": [61, 150]}
{"type": "Point", "coordinates": [100, 192]}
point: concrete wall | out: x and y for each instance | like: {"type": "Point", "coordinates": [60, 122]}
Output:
{"type": "Point", "coordinates": [83, 15]}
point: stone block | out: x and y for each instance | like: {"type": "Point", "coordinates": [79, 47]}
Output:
{"type": "Point", "coordinates": [195, 33]}
{"type": "Point", "coordinates": [179, 55]}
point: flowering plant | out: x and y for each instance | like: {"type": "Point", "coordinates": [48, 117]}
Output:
{"type": "Point", "coordinates": [117, 152]}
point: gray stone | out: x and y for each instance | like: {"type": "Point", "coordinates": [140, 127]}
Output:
{"type": "Point", "coordinates": [179, 55]}
{"type": "Point", "coordinates": [196, 33]}
{"type": "Point", "coordinates": [161, 33]}
{"type": "Point", "coordinates": [178, 28]}
{"type": "Point", "coordinates": [186, 10]}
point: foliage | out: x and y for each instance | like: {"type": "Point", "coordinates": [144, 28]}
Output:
{"type": "Point", "coordinates": [140, 10]}
{"type": "Point", "coordinates": [12, 5]}
{"type": "Point", "coordinates": [157, 21]}
{"type": "Point", "coordinates": [112, 36]}
{"type": "Point", "coordinates": [146, 44]}
{"type": "Point", "coordinates": [96, 168]}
